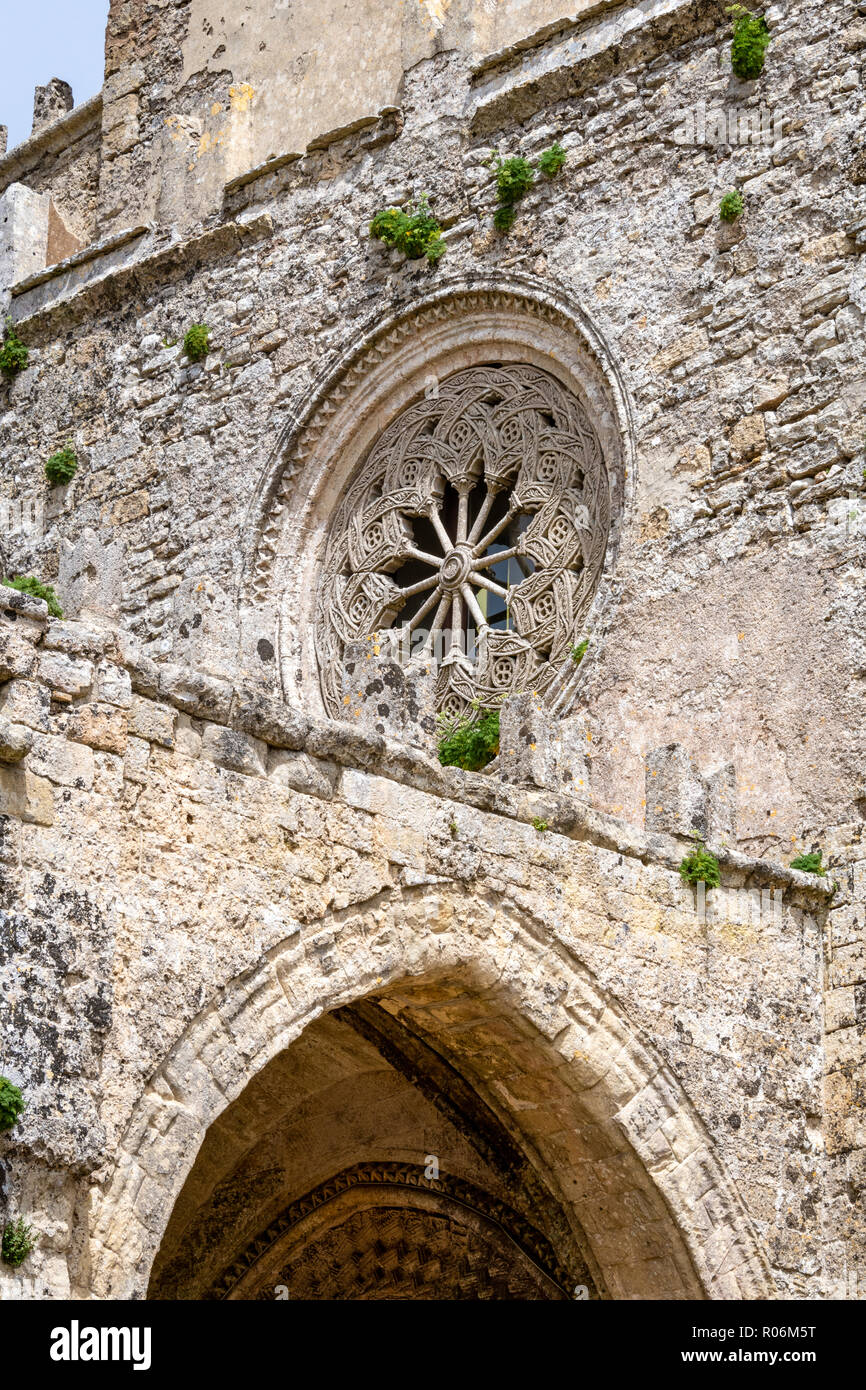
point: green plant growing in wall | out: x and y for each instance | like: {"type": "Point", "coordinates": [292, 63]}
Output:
{"type": "Point", "coordinates": [14, 355]}
{"type": "Point", "coordinates": [732, 206]}
{"type": "Point", "coordinates": [61, 467]}
{"type": "Point", "coordinates": [700, 866]}
{"type": "Point", "coordinates": [749, 44]}
{"type": "Point", "coordinates": [413, 230]}
{"type": "Point", "coordinates": [12, 1103]}
{"type": "Point", "coordinates": [810, 863]}
{"type": "Point", "coordinates": [17, 1242]}
{"type": "Point", "coordinates": [469, 740]}
{"type": "Point", "coordinates": [29, 584]}
{"type": "Point", "coordinates": [579, 652]}
{"type": "Point", "coordinates": [552, 161]}
{"type": "Point", "coordinates": [514, 178]}
{"type": "Point", "coordinates": [539, 824]}
{"type": "Point", "coordinates": [196, 342]}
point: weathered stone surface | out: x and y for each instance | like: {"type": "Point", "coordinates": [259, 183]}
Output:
{"type": "Point", "coordinates": [240, 898]}
{"type": "Point", "coordinates": [151, 721]}
{"type": "Point", "coordinates": [100, 726]}
{"type": "Point", "coordinates": [276, 723]}
{"type": "Point", "coordinates": [235, 751]}
{"type": "Point", "coordinates": [17, 656]}
{"type": "Point", "coordinates": [113, 685]}
{"type": "Point", "coordinates": [204, 696]}
{"type": "Point", "coordinates": [61, 761]}
{"type": "Point", "coordinates": [676, 795]}
{"type": "Point", "coordinates": [26, 796]}
{"type": "Point", "coordinates": [61, 672]}
{"type": "Point", "coordinates": [15, 741]}
{"type": "Point", "coordinates": [25, 702]}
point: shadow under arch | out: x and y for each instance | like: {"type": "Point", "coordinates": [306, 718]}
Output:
{"type": "Point", "coordinates": [460, 323]}
{"type": "Point", "coordinates": [605, 1125]}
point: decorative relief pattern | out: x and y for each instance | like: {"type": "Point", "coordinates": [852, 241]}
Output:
{"type": "Point", "coordinates": [529, 1248]}
{"type": "Point", "coordinates": [476, 529]}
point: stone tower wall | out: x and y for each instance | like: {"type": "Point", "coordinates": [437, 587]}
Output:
{"type": "Point", "coordinates": [724, 366]}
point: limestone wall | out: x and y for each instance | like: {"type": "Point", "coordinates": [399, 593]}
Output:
{"type": "Point", "coordinates": [160, 842]}
{"type": "Point", "coordinates": [163, 842]}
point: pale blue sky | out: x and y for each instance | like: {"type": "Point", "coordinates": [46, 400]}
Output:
{"type": "Point", "coordinates": [44, 39]}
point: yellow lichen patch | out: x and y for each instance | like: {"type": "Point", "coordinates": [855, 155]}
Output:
{"type": "Point", "coordinates": [241, 97]}
{"type": "Point", "coordinates": [435, 11]}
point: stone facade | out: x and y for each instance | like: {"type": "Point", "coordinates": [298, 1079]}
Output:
{"type": "Point", "coordinates": [230, 921]}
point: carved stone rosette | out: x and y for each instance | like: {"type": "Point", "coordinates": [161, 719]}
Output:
{"type": "Point", "coordinates": [475, 529]}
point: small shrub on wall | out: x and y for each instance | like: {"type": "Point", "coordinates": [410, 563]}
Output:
{"type": "Point", "coordinates": [29, 584]}
{"type": "Point", "coordinates": [61, 467]}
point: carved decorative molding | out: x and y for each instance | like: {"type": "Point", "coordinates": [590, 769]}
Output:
{"type": "Point", "coordinates": [299, 440]}
{"type": "Point", "coordinates": [481, 516]}
{"type": "Point", "coordinates": [452, 1195]}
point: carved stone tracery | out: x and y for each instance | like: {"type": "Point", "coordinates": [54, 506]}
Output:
{"type": "Point", "coordinates": [477, 527]}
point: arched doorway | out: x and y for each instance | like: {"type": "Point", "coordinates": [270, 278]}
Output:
{"type": "Point", "coordinates": [438, 1025]}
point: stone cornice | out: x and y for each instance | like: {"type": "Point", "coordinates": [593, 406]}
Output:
{"type": "Point", "coordinates": [118, 283]}
{"type": "Point", "coordinates": [568, 58]}
{"type": "Point", "coordinates": [255, 714]}
{"type": "Point", "coordinates": [52, 139]}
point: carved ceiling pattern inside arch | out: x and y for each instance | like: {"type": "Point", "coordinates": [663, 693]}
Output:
{"type": "Point", "coordinates": [476, 529]}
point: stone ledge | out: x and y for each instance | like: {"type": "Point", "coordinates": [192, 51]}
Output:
{"type": "Point", "coordinates": [93, 252]}
{"type": "Point", "coordinates": [605, 41]}
{"type": "Point", "coordinates": [273, 724]}
{"type": "Point", "coordinates": [121, 282]}
{"type": "Point", "coordinates": [57, 136]}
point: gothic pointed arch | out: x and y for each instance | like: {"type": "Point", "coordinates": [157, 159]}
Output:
{"type": "Point", "coordinates": [635, 1188]}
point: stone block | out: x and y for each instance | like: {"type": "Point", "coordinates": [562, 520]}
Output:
{"type": "Point", "coordinates": [301, 773]}
{"type": "Point", "coordinates": [722, 806]}
{"type": "Point", "coordinates": [62, 761]}
{"type": "Point", "coordinates": [26, 796]}
{"type": "Point", "coordinates": [528, 752]}
{"type": "Point", "coordinates": [25, 702]}
{"type": "Point", "coordinates": [374, 688]}
{"type": "Point", "coordinates": [113, 685]}
{"type": "Point", "coordinates": [23, 236]}
{"type": "Point", "coordinates": [136, 760]}
{"type": "Point", "coordinates": [276, 723]}
{"type": "Point", "coordinates": [205, 697]}
{"type": "Point", "coordinates": [235, 751]}
{"type": "Point", "coordinates": [153, 722]}
{"type": "Point", "coordinates": [75, 639]}
{"type": "Point", "coordinates": [537, 749]}
{"type": "Point", "coordinates": [51, 103]}
{"type": "Point", "coordinates": [686, 346]}
{"type": "Point", "coordinates": [90, 577]}
{"type": "Point", "coordinates": [749, 436]}
{"type": "Point", "coordinates": [15, 741]}
{"type": "Point", "coordinates": [676, 795]}
{"type": "Point", "coordinates": [99, 726]}
{"type": "Point", "coordinates": [71, 675]}
{"type": "Point", "coordinates": [29, 614]}
{"type": "Point", "coordinates": [17, 656]}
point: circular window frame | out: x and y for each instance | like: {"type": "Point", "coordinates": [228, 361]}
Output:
{"type": "Point", "coordinates": [320, 451]}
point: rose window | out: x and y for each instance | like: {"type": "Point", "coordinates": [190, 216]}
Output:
{"type": "Point", "coordinates": [475, 533]}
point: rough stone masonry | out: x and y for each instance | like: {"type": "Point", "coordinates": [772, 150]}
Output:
{"type": "Point", "coordinates": [261, 954]}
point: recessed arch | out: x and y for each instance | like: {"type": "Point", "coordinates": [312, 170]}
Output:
{"type": "Point", "coordinates": [460, 325]}
{"type": "Point", "coordinates": [607, 1126]}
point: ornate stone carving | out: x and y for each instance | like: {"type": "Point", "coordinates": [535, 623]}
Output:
{"type": "Point", "coordinates": [476, 529]}
{"type": "Point", "coordinates": [519, 1247]}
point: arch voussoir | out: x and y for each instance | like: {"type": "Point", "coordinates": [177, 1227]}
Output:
{"type": "Point", "coordinates": [531, 1029]}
